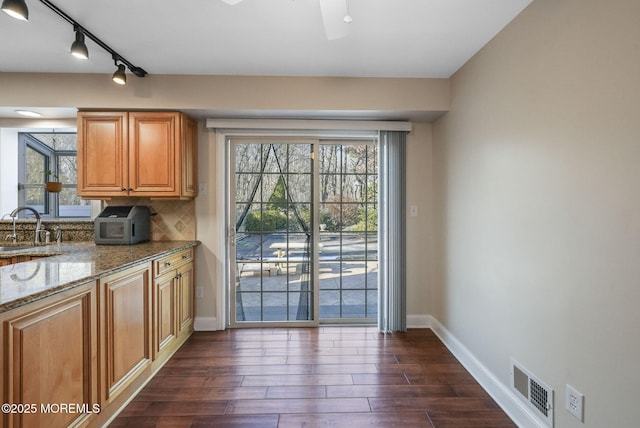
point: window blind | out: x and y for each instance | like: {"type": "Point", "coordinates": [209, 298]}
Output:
{"type": "Point", "coordinates": [392, 305]}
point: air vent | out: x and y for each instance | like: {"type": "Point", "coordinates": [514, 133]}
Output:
{"type": "Point", "coordinates": [537, 395]}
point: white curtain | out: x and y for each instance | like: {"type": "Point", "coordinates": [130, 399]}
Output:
{"type": "Point", "coordinates": [392, 302]}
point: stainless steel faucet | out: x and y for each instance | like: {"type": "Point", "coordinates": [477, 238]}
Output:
{"type": "Point", "coordinates": [15, 212]}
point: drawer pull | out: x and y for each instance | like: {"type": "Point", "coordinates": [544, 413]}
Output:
{"type": "Point", "coordinates": [167, 264]}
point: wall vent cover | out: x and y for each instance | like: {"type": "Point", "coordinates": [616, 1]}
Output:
{"type": "Point", "coordinates": [537, 395]}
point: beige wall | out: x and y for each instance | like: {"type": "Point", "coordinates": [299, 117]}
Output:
{"type": "Point", "coordinates": [210, 218]}
{"type": "Point", "coordinates": [225, 92]}
{"type": "Point", "coordinates": [420, 227]}
{"type": "Point", "coordinates": [537, 172]}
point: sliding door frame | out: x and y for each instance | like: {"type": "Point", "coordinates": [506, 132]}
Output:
{"type": "Point", "coordinates": [221, 130]}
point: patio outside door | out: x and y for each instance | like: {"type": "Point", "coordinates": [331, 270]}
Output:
{"type": "Point", "coordinates": [304, 214]}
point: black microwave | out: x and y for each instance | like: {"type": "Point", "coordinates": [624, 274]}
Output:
{"type": "Point", "coordinates": [123, 225]}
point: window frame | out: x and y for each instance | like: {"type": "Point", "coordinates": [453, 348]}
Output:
{"type": "Point", "coordinates": [29, 140]}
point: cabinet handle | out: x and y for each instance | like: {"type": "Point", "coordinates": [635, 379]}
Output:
{"type": "Point", "coordinates": [130, 189]}
{"type": "Point", "coordinates": [178, 276]}
{"type": "Point", "coordinates": [167, 264]}
{"type": "Point", "coordinates": [122, 189]}
{"type": "Point", "coordinates": [186, 257]}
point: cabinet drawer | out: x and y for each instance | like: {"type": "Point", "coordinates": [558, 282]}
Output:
{"type": "Point", "coordinates": [172, 261]}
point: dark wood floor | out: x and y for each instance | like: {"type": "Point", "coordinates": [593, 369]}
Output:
{"type": "Point", "coordinates": [313, 377]}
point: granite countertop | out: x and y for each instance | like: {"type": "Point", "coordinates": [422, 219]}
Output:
{"type": "Point", "coordinates": [66, 265]}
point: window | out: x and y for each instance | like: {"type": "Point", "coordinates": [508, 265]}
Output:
{"type": "Point", "coordinates": [53, 153]}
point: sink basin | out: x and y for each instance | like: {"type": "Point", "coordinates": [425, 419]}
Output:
{"type": "Point", "coordinates": [16, 247]}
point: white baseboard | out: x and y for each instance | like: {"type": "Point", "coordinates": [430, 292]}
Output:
{"type": "Point", "coordinates": [500, 392]}
{"type": "Point", "coordinates": [418, 321]}
{"type": "Point", "coordinates": [205, 324]}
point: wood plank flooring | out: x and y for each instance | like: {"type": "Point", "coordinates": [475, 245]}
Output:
{"type": "Point", "coordinates": [313, 377]}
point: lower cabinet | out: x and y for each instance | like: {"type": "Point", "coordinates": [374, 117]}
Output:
{"type": "Point", "coordinates": [173, 303]}
{"type": "Point", "coordinates": [49, 360]}
{"type": "Point", "coordinates": [77, 357]}
{"type": "Point", "coordinates": [185, 288]}
{"type": "Point", "coordinates": [126, 322]}
{"type": "Point", "coordinates": [164, 313]}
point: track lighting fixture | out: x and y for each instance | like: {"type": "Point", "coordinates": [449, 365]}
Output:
{"type": "Point", "coordinates": [119, 76]}
{"type": "Point", "coordinates": [18, 9]}
{"type": "Point", "coordinates": [78, 48]}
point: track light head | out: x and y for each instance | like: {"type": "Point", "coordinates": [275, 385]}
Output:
{"type": "Point", "coordinates": [119, 76]}
{"type": "Point", "coordinates": [79, 48]}
{"type": "Point", "coordinates": [16, 9]}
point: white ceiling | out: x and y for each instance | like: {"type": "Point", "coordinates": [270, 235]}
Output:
{"type": "Point", "coordinates": [387, 38]}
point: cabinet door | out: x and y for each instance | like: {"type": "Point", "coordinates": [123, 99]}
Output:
{"type": "Point", "coordinates": [164, 312]}
{"type": "Point", "coordinates": [50, 357]}
{"type": "Point", "coordinates": [185, 298]}
{"type": "Point", "coordinates": [102, 154]}
{"type": "Point", "coordinates": [189, 158]}
{"type": "Point", "coordinates": [154, 154]}
{"type": "Point", "coordinates": [127, 328]}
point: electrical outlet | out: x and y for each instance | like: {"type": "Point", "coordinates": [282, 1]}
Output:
{"type": "Point", "coordinates": [199, 292]}
{"type": "Point", "coordinates": [575, 402]}
{"type": "Point", "coordinates": [413, 211]}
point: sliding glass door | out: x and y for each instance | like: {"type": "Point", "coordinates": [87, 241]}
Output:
{"type": "Point", "coordinates": [304, 247]}
{"type": "Point", "coordinates": [348, 232]}
{"type": "Point", "coordinates": [273, 190]}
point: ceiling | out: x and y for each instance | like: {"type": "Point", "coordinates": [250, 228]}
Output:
{"type": "Point", "coordinates": [387, 38]}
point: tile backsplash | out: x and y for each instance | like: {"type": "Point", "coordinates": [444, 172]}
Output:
{"type": "Point", "coordinates": [172, 220]}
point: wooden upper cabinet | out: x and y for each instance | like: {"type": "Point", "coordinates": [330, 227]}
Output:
{"type": "Point", "coordinates": [151, 154]}
{"type": "Point", "coordinates": [103, 154]}
{"type": "Point", "coordinates": [190, 157]}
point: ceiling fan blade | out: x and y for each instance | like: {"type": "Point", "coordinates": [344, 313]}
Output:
{"type": "Point", "coordinates": [333, 13]}
{"type": "Point", "coordinates": [232, 2]}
